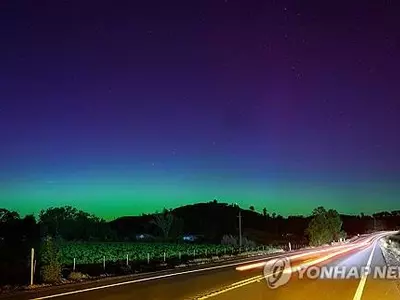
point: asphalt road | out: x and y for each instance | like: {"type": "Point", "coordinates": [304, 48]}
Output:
{"type": "Point", "coordinates": [352, 288]}
{"type": "Point", "coordinates": [247, 280]}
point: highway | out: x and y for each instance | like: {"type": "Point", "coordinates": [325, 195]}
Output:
{"type": "Point", "coordinates": [251, 280]}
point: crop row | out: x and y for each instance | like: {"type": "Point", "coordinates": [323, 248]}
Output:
{"type": "Point", "coordinates": [90, 253]}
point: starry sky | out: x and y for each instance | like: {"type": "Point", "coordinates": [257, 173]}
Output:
{"type": "Point", "coordinates": [126, 107]}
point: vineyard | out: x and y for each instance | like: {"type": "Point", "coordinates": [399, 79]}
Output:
{"type": "Point", "coordinates": [93, 253]}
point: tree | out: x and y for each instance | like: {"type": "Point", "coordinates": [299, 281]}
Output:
{"type": "Point", "coordinates": [58, 221]}
{"type": "Point", "coordinates": [164, 222]}
{"type": "Point", "coordinates": [252, 208]}
{"type": "Point", "coordinates": [50, 269]}
{"type": "Point", "coordinates": [395, 213]}
{"type": "Point", "coordinates": [9, 225]}
{"type": "Point", "coordinates": [8, 216]}
{"type": "Point", "coordinates": [334, 224]}
{"type": "Point", "coordinates": [324, 227]}
{"type": "Point", "coordinates": [177, 227]}
{"type": "Point", "coordinates": [71, 224]}
{"type": "Point", "coordinates": [265, 213]}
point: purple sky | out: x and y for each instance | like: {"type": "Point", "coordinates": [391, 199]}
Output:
{"type": "Point", "coordinates": [173, 101]}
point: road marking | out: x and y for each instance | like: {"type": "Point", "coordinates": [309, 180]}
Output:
{"type": "Point", "coordinates": [361, 285]}
{"type": "Point", "coordinates": [151, 278]}
{"type": "Point", "coordinates": [232, 287]}
{"type": "Point", "coordinates": [155, 278]}
{"type": "Point", "coordinates": [246, 280]}
{"type": "Point", "coordinates": [255, 279]}
{"type": "Point", "coordinates": [307, 263]}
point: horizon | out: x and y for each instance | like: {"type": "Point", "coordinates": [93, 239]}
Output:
{"type": "Point", "coordinates": [259, 211]}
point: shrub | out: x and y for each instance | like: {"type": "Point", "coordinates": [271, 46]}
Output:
{"type": "Point", "coordinates": [248, 243]}
{"type": "Point", "coordinates": [229, 240]}
{"type": "Point", "coordinates": [233, 241]}
{"type": "Point", "coordinates": [50, 271]}
{"type": "Point", "coordinates": [125, 269]}
{"type": "Point", "coordinates": [77, 276]}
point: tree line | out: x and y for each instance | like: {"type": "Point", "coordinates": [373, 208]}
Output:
{"type": "Point", "coordinates": [211, 221]}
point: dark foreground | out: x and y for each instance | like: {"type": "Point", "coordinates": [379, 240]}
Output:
{"type": "Point", "coordinates": [228, 282]}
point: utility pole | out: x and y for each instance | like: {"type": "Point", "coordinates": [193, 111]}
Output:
{"type": "Point", "coordinates": [32, 264]}
{"type": "Point", "coordinates": [240, 230]}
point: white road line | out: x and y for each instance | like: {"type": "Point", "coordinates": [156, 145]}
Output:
{"type": "Point", "coordinates": [294, 269]}
{"type": "Point", "coordinates": [155, 278]}
{"type": "Point", "coordinates": [232, 287]}
{"type": "Point", "coordinates": [361, 285]}
{"type": "Point", "coordinates": [152, 278]}
{"type": "Point", "coordinates": [246, 280]}
{"type": "Point", "coordinates": [255, 279]}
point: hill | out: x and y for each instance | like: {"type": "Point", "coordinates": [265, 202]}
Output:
{"type": "Point", "coordinates": [213, 220]}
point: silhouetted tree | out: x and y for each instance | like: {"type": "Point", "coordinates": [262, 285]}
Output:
{"type": "Point", "coordinates": [7, 216]}
{"type": "Point", "coordinates": [324, 227]}
{"type": "Point", "coordinates": [70, 223]}
{"type": "Point", "coordinates": [164, 222]}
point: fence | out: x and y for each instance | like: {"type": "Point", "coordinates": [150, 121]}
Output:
{"type": "Point", "coordinates": [161, 260]}
{"type": "Point", "coordinates": [127, 264]}
{"type": "Point", "coordinates": [145, 262]}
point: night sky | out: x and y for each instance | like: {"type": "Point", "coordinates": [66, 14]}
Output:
{"type": "Point", "coordinates": [126, 107]}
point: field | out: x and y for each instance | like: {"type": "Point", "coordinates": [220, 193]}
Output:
{"type": "Point", "coordinates": [93, 253]}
